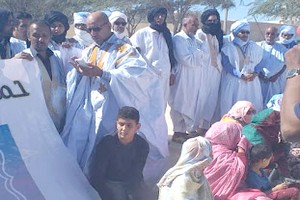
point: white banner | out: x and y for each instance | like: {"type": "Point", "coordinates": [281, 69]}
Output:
{"type": "Point", "coordinates": [34, 163]}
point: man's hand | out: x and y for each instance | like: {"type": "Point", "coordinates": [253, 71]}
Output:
{"type": "Point", "coordinates": [88, 70]}
{"type": "Point", "coordinates": [292, 57]}
{"type": "Point", "coordinates": [248, 77]}
{"type": "Point", "coordinates": [66, 45]}
{"type": "Point", "coordinates": [23, 55]}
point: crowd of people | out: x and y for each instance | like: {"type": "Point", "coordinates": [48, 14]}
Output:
{"type": "Point", "coordinates": [107, 95]}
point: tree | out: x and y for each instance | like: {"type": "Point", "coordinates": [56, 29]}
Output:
{"type": "Point", "coordinates": [288, 10]}
{"type": "Point", "coordinates": [177, 9]}
{"type": "Point", "coordinates": [135, 10]}
{"type": "Point", "coordinates": [38, 9]}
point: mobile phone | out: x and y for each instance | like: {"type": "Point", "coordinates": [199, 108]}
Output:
{"type": "Point", "coordinates": [81, 62]}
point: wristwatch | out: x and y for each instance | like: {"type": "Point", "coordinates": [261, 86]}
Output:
{"type": "Point", "coordinates": [292, 73]}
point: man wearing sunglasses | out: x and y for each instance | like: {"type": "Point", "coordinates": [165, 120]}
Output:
{"type": "Point", "coordinates": [241, 60]}
{"type": "Point", "coordinates": [118, 23]}
{"type": "Point", "coordinates": [272, 76]}
{"type": "Point", "coordinates": [110, 73]}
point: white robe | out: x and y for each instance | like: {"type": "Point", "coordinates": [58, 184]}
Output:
{"type": "Point", "coordinates": [273, 59]}
{"type": "Point", "coordinates": [128, 81]}
{"type": "Point", "coordinates": [54, 90]}
{"type": "Point", "coordinates": [210, 81]}
{"type": "Point", "coordinates": [153, 47]}
{"type": "Point", "coordinates": [185, 94]}
{"type": "Point", "coordinates": [17, 45]}
{"type": "Point", "coordinates": [235, 89]}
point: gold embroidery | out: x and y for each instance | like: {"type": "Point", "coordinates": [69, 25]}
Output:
{"type": "Point", "coordinates": [99, 62]}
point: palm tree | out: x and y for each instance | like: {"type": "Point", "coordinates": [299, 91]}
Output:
{"type": "Point", "coordinates": [226, 5]}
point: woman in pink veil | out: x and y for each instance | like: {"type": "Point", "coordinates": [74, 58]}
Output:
{"type": "Point", "coordinates": [228, 168]}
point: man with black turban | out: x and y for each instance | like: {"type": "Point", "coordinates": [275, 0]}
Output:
{"type": "Point", "coordinates": [211, 36]}
{"type": "Point", "coordinates": [155, 44]}
{"type": "Point", "coordinates": [6, 29]}
{"type": "Point", "coordinates": [59, 26]}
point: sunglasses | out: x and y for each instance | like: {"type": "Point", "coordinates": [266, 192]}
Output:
{"type": "Point", "coordinates": [287, 35]}
{"type": "Point", "coordinates": [96, 29]}
{"type": "Point", "coordinates": [244, 32]}
{"type": "Point", "coordinates": [120, 23]}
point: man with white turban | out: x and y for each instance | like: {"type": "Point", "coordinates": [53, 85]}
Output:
{"type": "Point", "coordinates": [241, 63]}
{"type": "Point", "coordinates": [273, 75]}
{"type": "Point", "coordinates": [287, 36]}
{"type": "Point", "coordinates": [82, 38]}
{"type": "Point", "coordinates": [118, 22]}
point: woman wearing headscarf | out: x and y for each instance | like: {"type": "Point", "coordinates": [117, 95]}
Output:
{"type": "Point", "coordinates": [287, 36]}
{"type": "Point", "coordinates": [241, 63]}
{"type": "Point", "coordinates": [211, 36]}
{"type": "Point", "coordinates": [265, 129]}
{"type": "Point", "coordinates": [228, 167]}
{"type": "Point", "coordinates": [59, 26]}
{"type": "Point", "coordinates": [118, 22]}
{"type": "Point", "coordinates": [186, 179]}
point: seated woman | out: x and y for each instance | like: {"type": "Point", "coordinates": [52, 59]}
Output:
{"type": "Point", "coordinates": [228, 167]}
{"type": "Point", "coordinates": [186, 180]}
{"type": "Point", "coordinates": [265, 129]}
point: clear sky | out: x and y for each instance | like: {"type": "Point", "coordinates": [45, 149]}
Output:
{"type": "Point", "coordinates": [241, 12]}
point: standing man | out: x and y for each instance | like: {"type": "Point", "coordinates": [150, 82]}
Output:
{"type": "Point", "coordinates": [287, 36]}
{"type": "Point", "coordinates": [155, 44]}
{"type": "Point", "coordinates": [272, 76]}
{"type": "Point", "coordinates": [241, 63]}
{"type": "Point", "coordinates": [59, 27]}
{"type": "Point", "coordinates": [51, 71]}
{"type": "Point", "coordinates": [6, 29]}
{"type": "Point", "coordinates": [211, 36]}
{"type": "Point", "coordinates": [20, 41]}
{"type": "Point", "coordinates": [118, 22]}
{"type": "Point", "coordinates": [189, 53]}
{"type": "Point", "coordinates": [110, 74]}
{"type": "Point", "coordinates": [82, 38]}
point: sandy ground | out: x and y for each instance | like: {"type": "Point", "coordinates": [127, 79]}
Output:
{"type": "Point", "coordinates": [174, 149]}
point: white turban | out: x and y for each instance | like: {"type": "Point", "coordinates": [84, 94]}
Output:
{"type": "Point", "coordinates": [116, 15]}
{"type": "Point", "coordinates": [287, 30]}
{"type": "Point", "coordinates": [237, 26]}
{"type": "Point", "coordinates": [80, 17]}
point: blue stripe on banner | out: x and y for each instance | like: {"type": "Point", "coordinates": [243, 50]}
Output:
{"type": "Point", "coordinates": [16, 182]}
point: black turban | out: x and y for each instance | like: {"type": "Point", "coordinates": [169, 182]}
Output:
{"type": "Point", "coordinates": [212, 28]}
{"type": "Point", "coordinates": [56, 16]}
{"type": "Point", "coordinates": [162, 29]}
{"type": "Point", "coordinates": [154, 11]}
